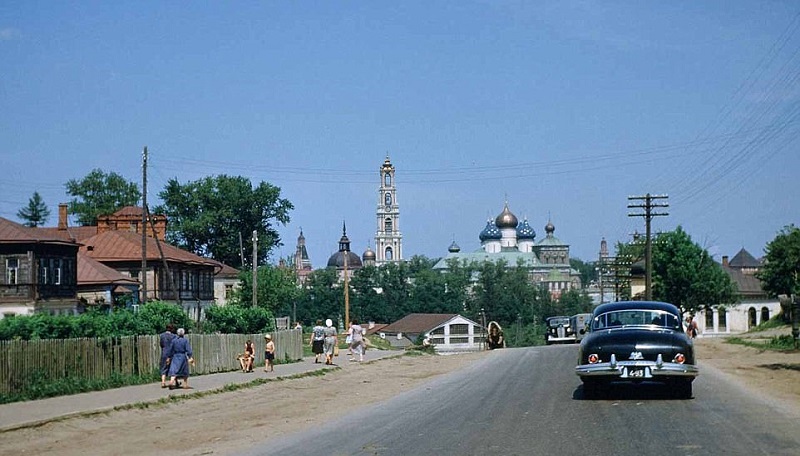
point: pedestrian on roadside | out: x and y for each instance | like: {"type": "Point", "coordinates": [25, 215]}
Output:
{"type": "Point", "coordinates": [269, 354]}
{"type": "Point", "coordinates": [330, 342]}
{"type": "Point", "coordinates": [356, 335]}
{"type": "Point", "coordinates": [249, 356]}
{"type": "Point", "coordinates": [179, 357]}
{"type": "Point", "coordinates": [164, 341]}
{"type": "Point", "coordinates": [691, 327]}
{"type": "Point", "coordinates": [317, 341]}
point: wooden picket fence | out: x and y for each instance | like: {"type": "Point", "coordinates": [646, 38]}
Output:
{"type": "Point", "coordinates": [100, 358]}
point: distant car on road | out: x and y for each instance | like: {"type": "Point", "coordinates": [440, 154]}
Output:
{"type": "Point", "coordinates": [636, 341]}
{"type": "Point", "coordinates": [559, 331]}
{"type": "Point", "coordinates": [580, 323]}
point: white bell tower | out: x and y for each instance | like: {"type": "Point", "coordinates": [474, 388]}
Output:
{"type": "Point", "coordinates": [388, 240]}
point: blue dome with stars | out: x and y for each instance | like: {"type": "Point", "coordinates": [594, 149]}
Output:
{"type": "Point", "coordinates": [490, 232]}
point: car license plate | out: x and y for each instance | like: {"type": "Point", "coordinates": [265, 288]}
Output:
{"type": "Point", "coordinates": [636, 372]}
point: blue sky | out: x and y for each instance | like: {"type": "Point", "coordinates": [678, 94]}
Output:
{"type": "Point", "coordinates": [562, 108]}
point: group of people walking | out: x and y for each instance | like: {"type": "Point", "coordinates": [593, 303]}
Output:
{"type": "Point", "coordinates": [176, 351]}
{"type": "Point", "coordinates": [324, 341]}
{"type": "Point", "coordinates": [176, 356]}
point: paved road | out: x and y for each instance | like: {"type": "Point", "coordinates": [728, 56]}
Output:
{"type": "Point", "coordinates": [528, 401]}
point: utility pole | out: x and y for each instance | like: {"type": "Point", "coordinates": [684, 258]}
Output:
{"type": "Point", "coordinates": [144, 226]}
{"type": "Point", "coordinates": [255, 268]}
{"type": "Point", "coordinates": [650, 204]}
{"type": "Point", "coordinates": [241, 250]}
{"type": "Point", "coordinates": [346, 291]}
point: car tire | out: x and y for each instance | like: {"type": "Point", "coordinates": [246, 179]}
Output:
{"type": "Point", "coordinates": [682, 389]}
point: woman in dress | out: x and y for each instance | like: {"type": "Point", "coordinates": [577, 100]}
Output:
{"type": "Point", "coordinates": [164, 341]}
{"type": "Point", "coordinates": [179, 356]}
{"type": "Point", "coordinates": [356, 336]}
{"type": "Point", "coordinates": [330, 341]}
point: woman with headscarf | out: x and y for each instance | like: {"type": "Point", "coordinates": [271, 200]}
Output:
{"type": "Point", "coordinates": [164, 341]}
{"type": "Point", "coordinates": [330, 341]}
{"type": "Point", "coordinates": [179, 356]}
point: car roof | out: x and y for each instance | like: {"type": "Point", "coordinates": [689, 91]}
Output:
{"type": "Point", "coordinates": [636, 305]}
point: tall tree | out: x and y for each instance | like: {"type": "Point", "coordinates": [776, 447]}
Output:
{"type": "Point", "coordinates": [321, 297]}
{"type": "Point", "coordinates": [209, 215]}
{"type": "Point", "coordinates": [781, 272]}
{"type": "Point", "coordinates": [586, 269]}
{"type": "Point", "coordinates": [36, 213]}
{"type": "Point", "coordinates": [684, 274]}
{"type": "Point", "coordinates": [277, 289]}
{"type": "Point", "coordinates": [100, 193]}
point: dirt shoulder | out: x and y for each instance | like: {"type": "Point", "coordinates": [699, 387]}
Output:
{"type": "Point", "coordinates": [769, 373]}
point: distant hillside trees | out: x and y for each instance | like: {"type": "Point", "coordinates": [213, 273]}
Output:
{"type": "Point", "coordinates": [36, 212]}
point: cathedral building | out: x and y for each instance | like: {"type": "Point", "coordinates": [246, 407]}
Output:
{"type": "Point", "coordinates": [344, 260]}
{"type": "Point", "coordinates": [507, 239]}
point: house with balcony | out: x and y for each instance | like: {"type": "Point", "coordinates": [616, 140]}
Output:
{"type": "Point", "coordinates": [38, 272]}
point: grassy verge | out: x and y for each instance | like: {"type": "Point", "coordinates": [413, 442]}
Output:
{"type": "Point", "coordinates": [41, 387]}
{"type": "Point", "coordinates": [784, 343]}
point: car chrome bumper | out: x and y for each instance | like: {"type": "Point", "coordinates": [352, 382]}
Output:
{"type": "Point", "coordinates": [636, 370]}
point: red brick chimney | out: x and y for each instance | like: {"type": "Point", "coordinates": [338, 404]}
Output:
{"type": "Point", "coordinates": [62, 216]}
{"type": "Point", "coordinates": [725, 260]}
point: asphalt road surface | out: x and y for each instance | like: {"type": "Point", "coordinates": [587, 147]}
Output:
{"type": "Point", "coordinates": [529, 402]}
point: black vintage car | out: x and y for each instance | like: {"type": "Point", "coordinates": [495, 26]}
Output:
{"type": "Point", "coordinates": [636, 341]}
{"type": "Point", "coordinates": [559, 331]}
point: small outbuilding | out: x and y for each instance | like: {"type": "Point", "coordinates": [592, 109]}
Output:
{"type": "Point", "coordinates": [447, 333]}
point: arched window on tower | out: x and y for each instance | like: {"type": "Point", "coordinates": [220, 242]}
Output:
{"type": "Point", "coordinates": [387, 199]}
{"type": "Point", "coordinates": [387, 225]}
{"type": "Point", "coordinates": [387, 179]}
{"type": "Point", "coordinates": [388, 254]}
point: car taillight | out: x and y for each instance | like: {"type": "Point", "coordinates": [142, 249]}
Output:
{"type": "Point", "coordinates": [593, 358]}
{"type": "Point", "coordinates": [679, 358]}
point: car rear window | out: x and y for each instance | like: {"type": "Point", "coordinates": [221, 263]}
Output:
{"type": "Point", "coordinates": [633, 317]}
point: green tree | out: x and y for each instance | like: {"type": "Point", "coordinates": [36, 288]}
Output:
{"type": "Point", "coordinates": [321, 297]}
{"type": "Point", "coordinates": [209, 215]}
{"type": "Point", "coordinates": [781, 272]}
{"type": "Point", "coordinates": [366, 303]}
{"type": "Point", "coordinates": [100, 193]}
{"type": "Point", "coordinates": [36, 213]}
{"type": "Point", "coordinates": [684, 274]}
{"type": "Point", "coordinates": [277, 289]}
{"type": "Point", "coordinates": [237, 319]}
{"type": "Point", "coordinates": [586, 269]}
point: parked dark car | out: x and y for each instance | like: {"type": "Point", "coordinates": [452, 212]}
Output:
{"type": "Point", "coordinates": [636, 341]}
{"type": "Point", "coordinates": [559, 331]}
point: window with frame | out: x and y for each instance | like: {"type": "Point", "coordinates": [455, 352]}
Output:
{"type": "Point", "coordinates": [43, 272]}
{"type": "Point", "coordinates": [12, 271]}
{"type": "Point", "coordinates": [459, 329]}
{"type": "Point", "coordinates": [459, 340]}
{"type": "Point", "coordinates": [57, 272]}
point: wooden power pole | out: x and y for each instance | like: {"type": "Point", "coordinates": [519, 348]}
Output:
{"type": "Point", "coordinates": [649, 205]}
{"type": "Point", "coordinates": [255, 268]}
{"type": "Point", "coordinates": [144, 226]}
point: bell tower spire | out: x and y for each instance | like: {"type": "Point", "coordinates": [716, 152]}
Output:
{"type": "Point", "coordinates": [388, 240]}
